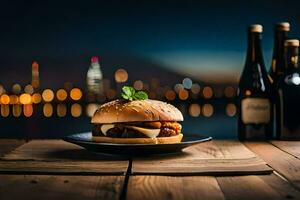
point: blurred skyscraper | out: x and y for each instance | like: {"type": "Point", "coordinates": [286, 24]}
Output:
{"type": "Point", "coordinates": [94, 78]}
{"type": "Point", "coordinates": [35, 79]}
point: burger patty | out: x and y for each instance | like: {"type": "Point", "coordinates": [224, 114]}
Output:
{"type": "Point", "coordinates": [167, 129]}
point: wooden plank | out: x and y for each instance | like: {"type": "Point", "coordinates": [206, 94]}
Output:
{"type": "Point", "coordinates": [211, 158]}
{"type": "Point", "coordinates": [285, 164]}
{"type": "Point", "coordinates": [172, 187]}
{"type": "Point", "coordinates": [57, 156]}
{"type": "Point", "coordinates": [291, 147]}
{"type": "Point", "coordinates": [66, 167]}
{"type": "Point", "coordinates": [283, 187]}
{"type": "Point", "coordinates": [7, 145]}
{"type": "Point", "coordinates": [256, 187]}
{"type": "Point", "coordinates": [13, 187]}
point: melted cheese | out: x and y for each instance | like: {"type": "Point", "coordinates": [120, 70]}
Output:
{"type": "Point", "coordinates": [149, 132]}
{"type": "Point", "coordinates": [106, 127]}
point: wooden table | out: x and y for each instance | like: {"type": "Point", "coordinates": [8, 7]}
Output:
{"type": "Point", "coordinates": [120, 183]}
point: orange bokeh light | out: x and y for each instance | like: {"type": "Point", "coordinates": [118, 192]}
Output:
{"type": "Point", "coordinates": [121, 76]}
{"type": "Point", "coordinates": [36, 98]}
{"type": "Point", "coordinates": [76, 94]}
{"type": "Point", "coordinates": [5, 99]}
{"type": "Point", "coordinates": [170, 95]}
{"type": "Point", "coordinates": [183, 94]}
{"type": "Point", "coordinates": [207, 92]}
{"type": "Point", "coordinates": [61, 94]}
{"type": "Point", "coordinates": [48, 95]}
{"type": "Point", "coordinates": [194, 110]}
{"type": "Point", "coordinates": [25, 98]}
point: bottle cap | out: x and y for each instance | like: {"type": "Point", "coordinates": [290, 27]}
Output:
{"type": "Point", "coordinates": [94, 59]}
{"type": "Point", "coordinates": [291, 43]}
{"type": "Point", "coordinates": [256, 28]}
{"type": "Point", "coordinates": [283, 26]}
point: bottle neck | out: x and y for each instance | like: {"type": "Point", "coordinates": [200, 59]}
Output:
{"type": "Point", "coordinates": [280, 37]}
{"type": "Point", "coordinates": [95, 65]}
{"type": "Point", "coordinates": [254, 51]}
{"type": "Point", "coordinates": [291, 57]}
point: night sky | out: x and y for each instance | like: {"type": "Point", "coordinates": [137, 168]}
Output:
{"type": "Point", "coordinates": [206, 41]}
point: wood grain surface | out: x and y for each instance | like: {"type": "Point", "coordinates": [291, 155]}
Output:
{"type": "Point", "coordinates": [291, 147]}
{"type": "Point", "coordinates": [210, 158]}
{"type": "Point", "coordinates": [284, 163]}
{"type": "Point", "coordinates": [33, 187]}
{"type": "Point", "coordinates": [170, 187]}
{"type": "Point", "coordinates": [256, 187]}
{"type": "Point", "coordinates": [7, 145]}
{"type": "Point", "coordinates": [57, 156]}
{"type": "Point", "coordinates": [63, 166]}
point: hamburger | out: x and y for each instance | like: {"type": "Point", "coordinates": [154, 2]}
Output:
{"type": "Point", "coordinates": [137, 122]}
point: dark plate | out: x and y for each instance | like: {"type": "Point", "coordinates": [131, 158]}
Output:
{"type": "Point", "coordinates": [85, 140]}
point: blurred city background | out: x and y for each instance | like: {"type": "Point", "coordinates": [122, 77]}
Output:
{"type": "Point", "coordinates": [59, 60]}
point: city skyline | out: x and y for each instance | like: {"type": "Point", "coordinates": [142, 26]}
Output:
{"type": "Point", "coordinates": [202, 40]}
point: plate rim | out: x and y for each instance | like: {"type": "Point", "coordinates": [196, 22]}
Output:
{"type": "Point", "coordinates": [72, 140]}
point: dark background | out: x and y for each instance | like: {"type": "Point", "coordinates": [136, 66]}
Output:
{"type": "Point", "coordinates": [205, 41]}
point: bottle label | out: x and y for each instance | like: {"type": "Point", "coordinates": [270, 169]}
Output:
{"type": "Point", "coordinates": [255, 111]}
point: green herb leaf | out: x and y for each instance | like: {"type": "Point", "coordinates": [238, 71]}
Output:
{"type": "Point", "coordinates": [140, 95]}
{"type": "Point", "coordinates": [124, 96]}
{"type": "Point", "coordinates": [129, 91]}
{"type": "Point", "coordinates": [130, 94]}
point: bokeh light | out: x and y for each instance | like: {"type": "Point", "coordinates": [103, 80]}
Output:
{"type": "Point", "coordinates": [25, 98]}
{"type": "Point", "coordinates": [61, 94]}
{"type": "Point", "coordinates": [187, 83]}
{"type": "Point", "coordinates": [207, 110]}
{"type": "Point", "coordinates": [183, 94]}
{"type": "Point", "coordinates": [14, 99]}
{"type": "Point", "coordinates": [4, 110]}
{"type": "Point", "coordinates": [36, 98]}
{"type": "Point", "coordinates": [207, 92]}
{"type": "Point", "coordinates": [195, 89]}
{"type": "Point", "coordinates": [76, 94]}
{"type": "Point", "coordinates": [91, 109]}
{"type": "Point", "coordinates": [28, 110]}
{"type": "Point", "coordinates": [61, 110]}
{"type": "Point", "coordinates": [138, 85]}
{"type": "Point", "coordinates": [4, 99]}
{"type": "Point", "coordinates": [76, 110]}
{"type": "Point", "coordinates": [16, 88]}
{"type": "Point", "coordinates": [230, 109]}
{"type": "Point", "coordinates": [229, 92]}
{"type": "Point", "coordinates": [248, 92]}
{"type": "Point", "coordinates": [17, 110]}
{"type": "Point", "coordinates": [121, 76]}
{"type": "Point", "coordinates": [48, 95]}
{"type": "Point", "coordinates": [170, 95]}
{"type": "Point", "coordinates": [48, 110]}
{"type": "Point", "coordinates": [178, 87]}
{"type": "Point", "coordinates": [28, 89]}
{"type": "Point", "coordinates": [194, 110]}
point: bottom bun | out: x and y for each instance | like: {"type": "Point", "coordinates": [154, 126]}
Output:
{"type": "Point", "coordinates": [158, 140]}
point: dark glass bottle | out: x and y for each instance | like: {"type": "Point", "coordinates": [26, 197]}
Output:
{"type": "Point", "coordinates": [281, 31]}
{"type": "Point", "coordinates": [277, 66]}
{"type": "Point", "coordinates": [255, 95]}
{"type": "Point", "coordinates": [288, 121]}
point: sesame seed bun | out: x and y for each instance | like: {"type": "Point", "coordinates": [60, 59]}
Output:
{"type": "Point", "coordinates": [136, 111]}
{"type": "Point", "coordinates": [158, 140]}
